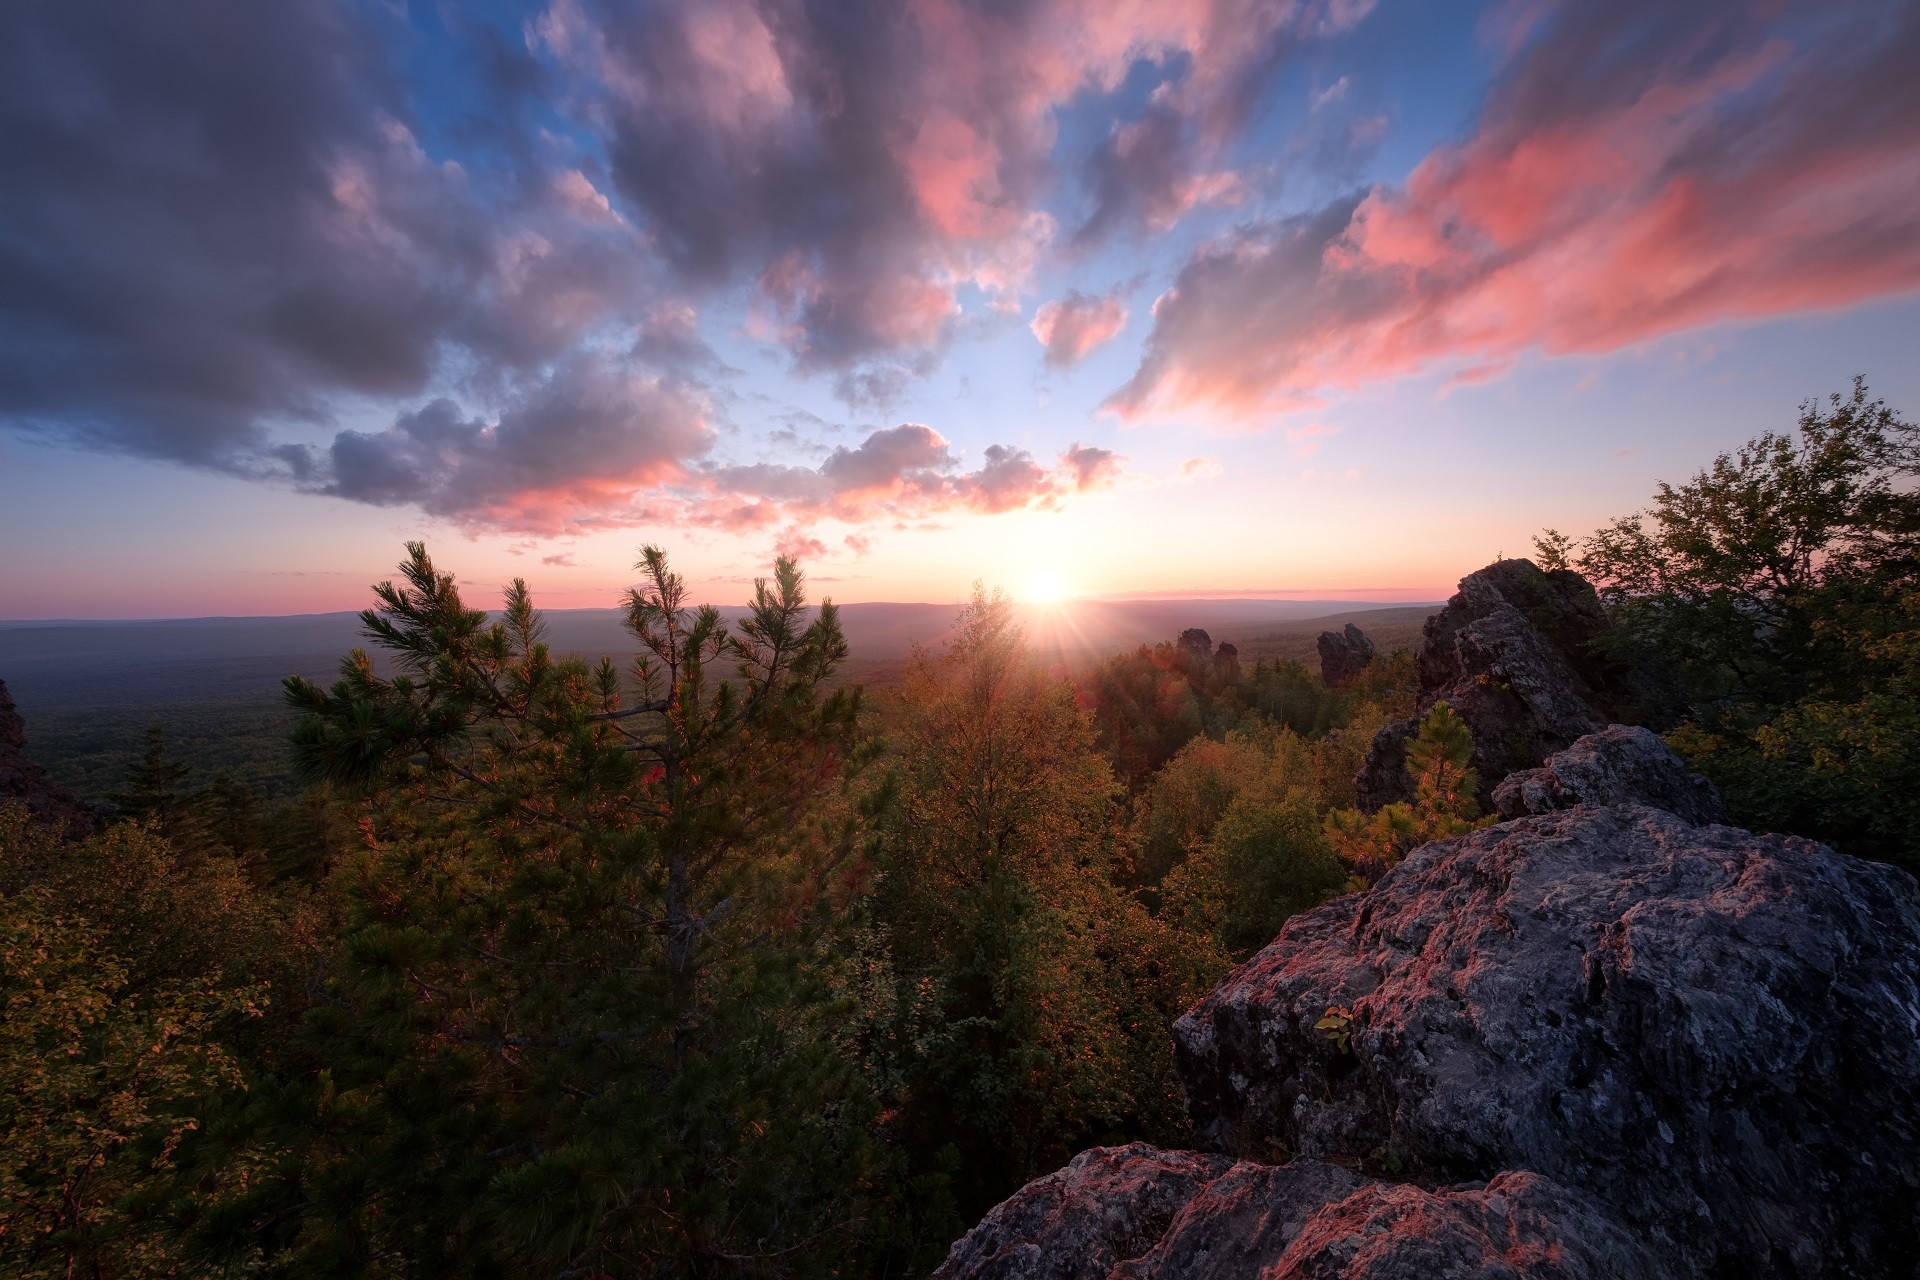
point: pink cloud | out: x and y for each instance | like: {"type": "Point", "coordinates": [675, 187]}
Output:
{"type": "Point", "coordinates": [1074, 326]}
{"type": "Point", "coordinates": [866, 169]}
{"type": "Point", "coordinates": [1639, 170]}
{"type": "Point", "coordinates": [1307, 440]}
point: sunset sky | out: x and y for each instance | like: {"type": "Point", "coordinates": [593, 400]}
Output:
{"type": "Point", "coordinates": [1097, 296]}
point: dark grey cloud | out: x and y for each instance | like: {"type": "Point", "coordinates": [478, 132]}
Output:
{"type": "Point", "coordinates": [227, 228]}
{"type": "Point", "coordinates": [568, 450]}
{"type": "Point", "coordinates": [217, 216]}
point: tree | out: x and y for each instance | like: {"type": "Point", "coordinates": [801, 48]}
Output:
{"type": "Point", "coordinates": [1779, 590]}
{"type": "Point", "coordinates": [1020, 996]}
{"type": "Point", "coordinates": [1443, 802]}
{"type": "Point", "coordinates": [1751, 576]}
{"type": "Point", "coordinates": [133, 988]}
{"type": "Point", "coordinates": [578, 1026]}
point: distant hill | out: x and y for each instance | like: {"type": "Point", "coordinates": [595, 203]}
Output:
{"type": "Point", "coordinates": [88, 689]}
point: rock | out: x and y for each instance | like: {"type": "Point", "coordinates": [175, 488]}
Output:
{"type": "Point", "coordinates": [1226, 662]}
{"type": "Point", "coordinates": [1618, 765]}
{"type": "Point", "coordinates": [1714, 1036]}
{"type": "Point", "coordinates": [1109, 1204]}
{"type": "Point", "coordinates": [1301, 1221]}
{"type": "Point", "coordinates": [1196, 645]}
{"type": "Point", "coordinates": [1343, 655]}
{"type": "Point", "coordinates": [23, 781]}
{"type": "Point", "coordinates": [1517, 1225]}
{"type": "Point", "coordinates": [1513, 654]}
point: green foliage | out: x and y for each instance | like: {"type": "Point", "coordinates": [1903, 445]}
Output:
{"type": "Point", "coordinates": [1776, 590]}
{"type": "Point", "coordinates": [1018, 995]}
{"type": "Point", "coordinates": [132, 989]}
{"type": "Point", "coordinates": [569, 968]}
{"type": "Point", "coordinates": [1336, 1027]}
{"type": "Point", "coordinates": [1443, 802]}
{"type": "Point", "coordinates": [579, 1023]}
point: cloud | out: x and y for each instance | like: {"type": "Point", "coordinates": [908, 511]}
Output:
{"type": "Point", "coordinates": [570, 451]}
{"type": "Point", "coordinates": [229, 231]}
{"type": "Point", "coordinates": [865, 162]}
{"type": "Point", "coordinates": [560, 560]}
{"type": "Point", "coordinates": [1075, 325]}
{"type": "Point", "coordinates": [898, 474]}
{"type": "Point", "coordinates": [1091, 467]}
{"type": "Point", "coordinates": [1637, 170]}
{"type": "Point", "coordinates": [1307, 439]}
{"type": "Point", "coordinates": [219, 218]}
{"type": "Point", "coordinates": [1198, 469]}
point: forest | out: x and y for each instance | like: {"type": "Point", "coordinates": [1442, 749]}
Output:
{"type": "Point", "coordinates": [711, 963]}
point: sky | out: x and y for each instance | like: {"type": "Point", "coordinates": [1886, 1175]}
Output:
{"type": "Point", "coordinates": [1081, 297]}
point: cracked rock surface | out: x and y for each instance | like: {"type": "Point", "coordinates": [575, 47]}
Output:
{"type": "Point", "coordinates": [1621, 764]}
{"type": "Point", "coordinates": [1597, 1042]}
{"type": "Point", "coordinates": [1714, 1035]}
{"type": "Point", "coordinates": [1513, 655]}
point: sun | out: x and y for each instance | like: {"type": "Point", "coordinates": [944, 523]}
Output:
{"type": "Point", "coordinates": [1045, 586]}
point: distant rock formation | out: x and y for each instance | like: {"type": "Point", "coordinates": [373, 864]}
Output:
{"type": "Point", "coordinates": [1343, 655]}
{"type": "Point", "coordinates": [1226, 662]}
{"type": "Point", "coordinates": [1196, 644]}
{"type": "Point", "coordinates": [1513, 655]}
{"type": "Point", "coordinates": [1594, 1042]}
{"type": "Point", "coordinates": [1618, 765]}
{"type": "Point", "coordinates": [26, 782]}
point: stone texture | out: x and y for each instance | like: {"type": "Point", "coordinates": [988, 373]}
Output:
{"type": "Point", "coordinates": [1513, 654]}
{"type": "Point", "coordinates": [1301, 1221]}
{"type": "Point", "coordinates": [1109, 1204]}
{"type": "Point", "coordinates": [25, 782]}
{"type": "Point", "coordinates": [1343, 655]}
{"type": "Point", "coordinates": [1713, 1035]}
{"type": "Point", "coordinates": [1517, 1225]}
{"type": "Point", "coordinates": [1621, 764]}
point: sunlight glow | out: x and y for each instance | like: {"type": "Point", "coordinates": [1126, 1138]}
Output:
{"type": "Point", "coordinates": [1045, 587]}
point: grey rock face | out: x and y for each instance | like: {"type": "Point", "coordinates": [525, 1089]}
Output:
{"type": "Point", "coordinates": [1301, 1221]}
{"type": "Point", "coordinates": [23, 781]}
{"type": "Point", "coordinates": [1109, 1204]}
{"type": "Point", "coordinates": [1512, 654]}
{"type": "Point", "coordinates": [1714, 1036]}
{"type": "Point", "coordinates": [1621, 764]}
{"type": "Point", "coordinates": [1343, 655]}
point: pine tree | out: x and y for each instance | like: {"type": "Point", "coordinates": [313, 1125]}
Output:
{"type": "Point", "coordinates": [578, 1028]}
{"type": "Point", "coordinates": [1443, 804]}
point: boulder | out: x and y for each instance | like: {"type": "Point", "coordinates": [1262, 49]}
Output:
{"type": "Point", "coordinates": [1714, 1036]}
{"type": "Point", "coordinates": [1513, 653]}
{"type": "Point", "coordinates": [1109, 1204]}
{"type": "Point", "coordinates": [1343, 655]}
{"type": "Point", "coordinates": [1621, 764]}
{"type": "Point", "coordinates": [24, 782]}
{"type": "Point", "coordinates": [1302, 1221]}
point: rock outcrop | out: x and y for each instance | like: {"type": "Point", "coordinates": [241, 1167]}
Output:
{"type": "Point", "coordinates": [1215, 1219]}
{"type": "Point", "coordinates": [25, 782]}
{"type": "Point", "coordinates": [1226, 662]}
{"type": "Point", "coordinates": [1343, 655]}
{"type": "Point", "coordinates": [1513, 654]}
{"type": "Point", "coordinates": [1108, 1205]}
{"type": "Point", "coordinates": [1714, 1035]}
{"type": "Point", "coordinates": [1599, 1041]}
{"type": "Point", "coordinates": [1621, 764]}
